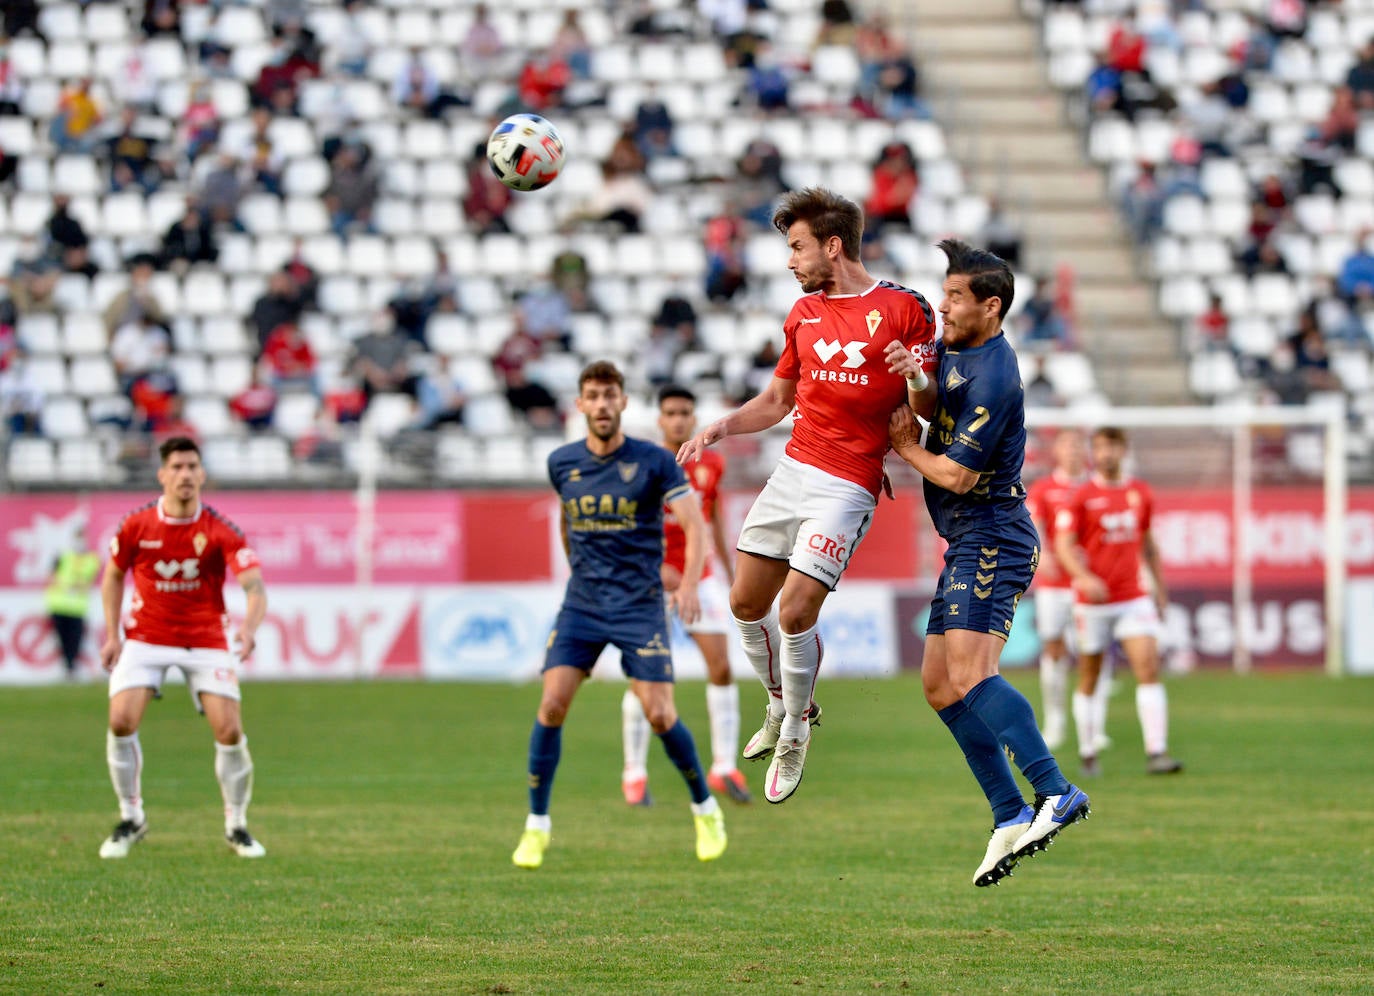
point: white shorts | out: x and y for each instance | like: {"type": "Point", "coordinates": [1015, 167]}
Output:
{"type": "Point", "coordinates": [813, 520]}
{"type": "Point", "coordinates": [1053, 612]}
{"type": "Point", "coordinates": [1099, 625]}
{"type": "Point", "coordinates": [715, 608]}
{"type": "Point", "coordinates": [144, 665]}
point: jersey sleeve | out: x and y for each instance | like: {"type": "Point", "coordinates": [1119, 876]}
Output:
{"type": "Point", "coordinates": [1147, 508]}
{"type": "Point", "coordinates": [989, 403]}
{"type": "Point", "coordinates": [919, 335]}
{"type": "Point", "coordinates": [123, 544]}
{"type": "Point", "coordinates": [789, 364]}
{"type": "Point", "coordinates": [672, 478]}
{"type": "Point", "coordinates": [238, 555]}
{"type": "Point", "coordinates": [1068, 520]}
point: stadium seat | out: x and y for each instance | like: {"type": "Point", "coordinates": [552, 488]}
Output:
{"type": "Point", "coordinates": [295, 414]}
{"type": "Point", "coordinates": [209, 414]}
{"type": "Point", "coordinates": [230, 374]}
{"type": "Point", "coordinates": [93, 376]}
{"type": "Point", "coordinates": [191, 373]}
{"type": "Point", "coordinates": [31, 460]}
{"type": "Point", "coordinates": [83, 334]}
{"type": "Point", "coordinates": [505, 458]}
{"type": "Point", "coordinates": [390, 413]}
{"type": "Point", "coordinates": [457, 457]}
{"type": "Point", "coordinates": [39, 333]}
{"type": "Point", "coordinates": [85, 459]}
{"type": "Point", "coordinates": [63, 417]}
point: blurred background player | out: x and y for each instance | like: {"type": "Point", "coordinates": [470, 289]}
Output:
{"type": "Point", "coordinates": [1053, 590]}
{"type": "Point", "coordinates": [1102, 538]}
{"type": "Point", "coordinates": [178, 551]}
{"type": "Point", "coordinates": [613, 490]}
{"type": "Point", "coordinates": [68, 596]}
{"type": "Point", "coordinates": [677, 421]}
{"type": "Point", "coordinates": [971, 462]}
{"type": "Point", "coordinates": [818, 503]}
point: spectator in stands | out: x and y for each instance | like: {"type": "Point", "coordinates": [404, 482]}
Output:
{"type": "Point", "coordinates": [1261, 255]}
{"type": "Point", "coordinates": [161, 17]}
{"type": "Point", "coordinates": [727, 271]}
{"type": "Point", "coordinates": [620, 202]}
{"type": "Point", "coordinates": [625, 155]}
{"type": "Point", "coordinates": [221, 191]}
{"type": "Point", "coordinates": [1337, 130]}
{"type": "Point", "coordinates": [570, 274]}
{"type": "Point", "coordinates": [758, 181]}
{"type": "Point", "coordinates": [200, 124]}
{"type": "Point", "coordinates": [11, 86]}
{"type": "Point", "coordinates": [21, 401]}
{"type": "Point", "coordinates": [1316, 165]}
{"type": "Point", "coordinates": [543, 311]}
{"type": "Point", "coordinates": [280, 304]}
{"type": "Point", "coordinates": [352, 46]}
{"type": "Point", "coordinates": [894, 186]}
{"type": "Point", "coordinates": [543, 79]}
{"type": "Point", "coordinates": [263, 169]}
{"type": "Point", "coordinates": [761, 367]}
{"type": "Point", "coordinates": [136, 301]}
{"type": "Point", "coordinates": [157, 404]}
{"type": "Point", "coordinates": [875, 47]}
{"type": "Point", "coordinates": [75, 127]}
{"type": "Point", "coordinates": [1255, 52]}
{"type": "Point", "coordinates": [294, 58]}
{"type": "Point", "coordinates": [440, 397]}
{"type": "Point", "coordinates": [352, 191]}
{"type": "Point", "coordinates": [189, 240]}
{"type": "Point", "coordinates": [1000, 234]}
{"type": "Point", "coordinates": [33, 286]}
{"type": "Point", "coordinates": [1273, 193]}
{"type": "Point", "coordinates": [381, 360]}
{"type": "Point", "coordinates": [1142, 202]}
{"type": "Point", "coordinates": [899, 89]}
{"type": "Point", "coordinates": [672, 333]}
{"type": "Point", "coordinates": [1105, 92]}
{"type": "Point", "coordinates": [65, 233]}
{"type": "Point", "coordinates": [767, 84]}
{"type": "Point", "coordinates": [8, 165]}
{"type": "Point", "coordinates": [287, 361]}
{"type": "Point", "coordinates": [1286, 18]}
{"type": "Point", "coordinates": [135, 86]}
{"type": "Point", "coordinates": [1210, 120]}
{"type": "Point", "coordinates": [528, 397]}
{"type": "Point", "coordinates": [1212, 328]}
{"type": "Point", "coordinates": [1311, 361]}
{"type": "Point", "coordinates": [1043, 328]}
{"type": "Point", "coordinates": [488, 199]}
{"type": "Point", "coordinates": [416, 88]}
{"type": "Point", "coordinates": [1360, 78]}
{"type": "Point", "coordinates": [1040, 390]}
{"type": "Point", "coordinates": [134, 161]}
{"type": "Point", "coordinates": [570, 45]}
{"type": "Point", "coordinates": [482, 50]}
{"type": "Point", "coordinates": [653, 127]}
{"type": "Point", "coordinates": [137, 349]}
{"type": "Point", "coordinates": [1355, 284]}
{"type": "Point", "coordinates": [18, 16]}
{"type": "Point", "coordinates": [256, 404]}
{"type": "Point", "coordinates": [838, 25]}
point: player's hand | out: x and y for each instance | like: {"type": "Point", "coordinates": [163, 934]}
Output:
{"type": "Point", "coordinates": [693, 448]}
{"type": "Point", "coordinates": [670, 576]}
{"type": "Point", "coordinates": [903, 431]}
{"type": "Point", "coordinates": [1092, 588]}
{"type": "Point", "coordinates": [685, 603]}
{"type": "Point", "coordinates": [901, 360]}
{"type": "Point", "coordinates": [109, 652]}
{"type": "Point", "coordinates": [245, 642]}
{"type": "Point", "coordinates": [887, 485]}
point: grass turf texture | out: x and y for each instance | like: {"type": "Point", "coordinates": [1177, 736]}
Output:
{"type": "Point", "coordinates": [390, 810]}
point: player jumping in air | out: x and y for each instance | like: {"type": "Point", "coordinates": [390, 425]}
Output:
{"type": "Point", "coordinates": [178, 551]}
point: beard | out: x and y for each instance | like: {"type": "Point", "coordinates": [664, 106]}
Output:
{"type": "Point", "coordinates": [604, 431]}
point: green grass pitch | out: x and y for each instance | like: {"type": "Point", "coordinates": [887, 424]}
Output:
{"type": "Point", "coordinates": [390, 810]}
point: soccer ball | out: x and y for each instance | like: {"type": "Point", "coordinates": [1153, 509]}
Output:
{"type": "Point", "coordinates": [525, 152]}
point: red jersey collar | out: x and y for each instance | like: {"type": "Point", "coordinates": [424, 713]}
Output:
{"type": "Point", "coordinates": [177, 522]}
{"type": "Point", "coordinates": [841, 297]}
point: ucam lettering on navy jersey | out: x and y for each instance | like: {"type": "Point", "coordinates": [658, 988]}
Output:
{"type": "Point", "coordinates": [834, 352]}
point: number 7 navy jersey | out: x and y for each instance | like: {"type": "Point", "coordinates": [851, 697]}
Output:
{"type": "Point", "coordinates": [980, 424]}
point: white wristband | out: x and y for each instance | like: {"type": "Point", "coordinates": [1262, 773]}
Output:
{"type": "Point", "coordinates": [919, 382]}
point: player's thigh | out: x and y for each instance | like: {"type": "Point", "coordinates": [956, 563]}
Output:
{"type": "Point", "coordinates": [1093, 625]}
{"type": "Point", "coordinates": [770, 528]}
{"type": "Point", "coordinates": [714, 599]}
{"type": "Point", "coordinates": [835, 517]}
{"type": "Point", "coordinates": [985, 574]}
{"type": "Point", "coordinates": [715, 651]}
{"type": "Point", "coordinates": [1142, 654]}
{"type": "Point", "coordinates": [225, 716]}
{"type": "Point", "coordinates": [560, 685]}
{"type": "Point", "coordinates": [800, 605]}
{"type": "Point", "coordinates": [210, 673]}
{"type": "Point", "coordinates": [758, 579]}
{"type": "Point", "coordinates": [1053, 613]}
{"type": "Point", "coordinates": [970, 657]}
{"type": "Point", "coordinates": [142, 665]}
{"type": "Point", "coordinates": [127, 709]}
{"type": "Point", "coordinates": [935, 682]}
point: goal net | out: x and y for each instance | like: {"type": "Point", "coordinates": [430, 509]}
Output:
{"type": "Point", "coordinates": [1250, 520]}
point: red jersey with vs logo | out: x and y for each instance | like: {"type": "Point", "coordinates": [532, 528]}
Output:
{"type": "Point", "coordinates": [703, 474]}
{"type": "Point", "coordinates": [1110, 520]}
{"type": "Point", "coordinates": [834, 351]}
{"type": "Point", "coordinates": [178, 567]}
{"type": "Point", "coordinates": [1045, 498]}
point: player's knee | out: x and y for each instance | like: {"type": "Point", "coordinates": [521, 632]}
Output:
{"type": "Point", "coordinates": [748, 605]}
{"type": "Point", "coordinates": [552, 712]}
{"type": "Point", "coordinates": [227, 731]}
{"type": "Point", "coordinates": [797, 617]}
{"type": "Point", "coordinates": [123, 724]}
{"type": "Point", "coordinates": [661, 716]}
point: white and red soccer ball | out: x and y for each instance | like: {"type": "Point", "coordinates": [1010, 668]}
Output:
{"type": "Point", "coordinates": [525, 152]}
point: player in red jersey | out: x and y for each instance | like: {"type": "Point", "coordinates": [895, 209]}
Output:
{"type": "Point", "coordinates": [178, 551]}
{"type": "Point", "coordinates": [1053, 588]}
{"type": "Point", "coordinates": [855, 348]}
{"type": "Point", "coordinates": [1102, 538]}
{"type": "Point", "coordinates": [677, 421]}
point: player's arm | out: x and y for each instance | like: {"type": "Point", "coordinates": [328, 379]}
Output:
{"type": "Point", "coordinates": [246, 637]}
{"type": "Point", "coordinates": [1149, 552]}
{"type": "Point", "coordinates": [905, 434]}
{"type": "Point", "coordinates": [721, 543]}
{"type": "Point", "coordinates": [921, 391]}
{"type": "Point", "coordinates": [688, 514]}
{"type": "Point", "coordinates": [1071, 557]}
{"type": "Point", "coordinates": [763, 411]}
{"type": "Point", "coordinates": [112, 600]}
{"type": "Point", "coordinates": [563, 533]}
{"type": "Point", "coordinates": [1049, 556]}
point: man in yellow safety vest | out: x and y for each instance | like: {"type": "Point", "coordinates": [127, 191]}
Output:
{"type": "Point", "coordinates": [68, 595]}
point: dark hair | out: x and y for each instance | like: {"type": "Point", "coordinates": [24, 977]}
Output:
{"type": "Point", "coordinates": [989, 275]}
{"type": "Point", "coordinates": [602, 372]}
{"type": "Point", "coordinates": [1110, 433]}
{"type": "Point", "coordinates": [177, 444]}
{"type": "Point", "coordinates": [669, 391]}
{"type": "Point", "coordinates": [828, 214]}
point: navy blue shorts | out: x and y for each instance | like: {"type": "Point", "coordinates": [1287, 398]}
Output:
{"type": "Point", "coordinates": [641, 636]}
{"type": "Point", "coordinates": [986, 572]}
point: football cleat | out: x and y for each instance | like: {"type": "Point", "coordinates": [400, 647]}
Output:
{"type": "Point", "coordinates": [1052, 814]}
{"type": "Point", "coordinates": [529, 853]}
{"type": "Point", "coordinates": [1004, 836]}
{"type": "Point", "coordinates": [761, 744]}
{"type": "Point", "coordinates": [711, 837]}
{"type": "Point", "coordinates": [785, 770]}
{"type": "Point", "coordinates": [730, 783]}
{"type": "Point", "coordinates": [125, 835]}
{"type": "Point", "coordinates": [1162, 764]}
{"type": "Point", "coordinates": [243, 843]}
{"type": "Point", "coordinates": [637, 792]}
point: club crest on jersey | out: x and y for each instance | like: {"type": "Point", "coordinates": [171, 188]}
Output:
{"type": "Point", "coordinates": [873, 319]}
{"type": "Point", "coordinates": [199, 541]}
{"type": "Point", "coordinates": [702, 476]}
{"type": "Point", "coordinates": [627, 471]}
{"type": "Point", "coordinates": [954, 379]}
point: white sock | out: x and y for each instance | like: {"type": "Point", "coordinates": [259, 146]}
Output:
{"type": "Point", "coordinates": [1054, 682]}
{"type": "Point", "coordinates": [125, 758]}
{"type": "Point", "coordinates": [722, 705]}
{"type": "Point", "coordinates": [634, 730]}
{"type": "Point", "coordinates": [542, 822]}
{"type": "Point", "coordinates": [762, 642]}
{"type": "Point", "coordinates": [234, 769]}
{"type": "Point", "coordinates": [1085, 722]}
{"type": "Point", "coordinates": [705, 808]}
{"type": "Point", "coordinates": [1152, 706]}
{"type": "Point", "coordinates": [801, 660]}
{"type": "Point", "coordinates": [1099, 699]}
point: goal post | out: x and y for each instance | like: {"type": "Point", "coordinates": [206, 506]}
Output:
{"type": "Point", "coordinates": [1252, 498]}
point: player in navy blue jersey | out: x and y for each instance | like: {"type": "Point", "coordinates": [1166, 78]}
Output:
{"type": "Point", "coordinates": [613, 490]}
{"type": "Point", "coordinates": [971, 463]}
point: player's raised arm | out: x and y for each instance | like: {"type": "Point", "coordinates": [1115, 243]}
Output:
{"type": "Point", "coordinates": [904, 432]}
{"type": "Point", "coordinates": [253, 587]}
{"type": "Point", "coordinates": [112, 600]}
{"type": "Point", "coordinates": [921, 390]}
{"type": "Point", "coordinates": [763, 411]}
{"type": "Point", "coordinates": [688, 515]}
